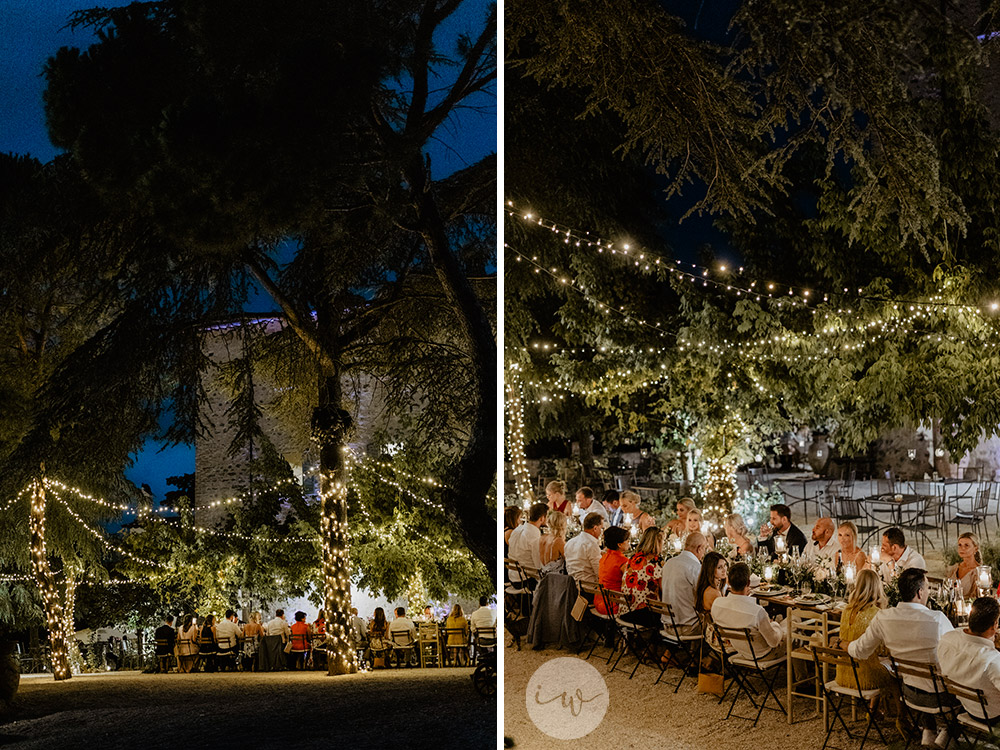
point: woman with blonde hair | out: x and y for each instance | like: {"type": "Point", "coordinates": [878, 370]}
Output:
{"type": "Point", "coordinates": [678, 526]}
{"type": "Point", "coordinates": [866, 599]}
{"type": "Point", "coordinates": [458, 639]}
{"type": "Point", "coordinates": [847, 535]}
{"type": "Point", "coordinates": [630, 505]}
{"type": "Point", "coordinates": [694, 524]}
{"type": "Point", "coordinates": [253, 631]}
{"type": "Point", "coordinates": [736, 531]}
{"type": "Point", "coordinates": [969, 559]}
{"type": "Point", "coordinates": [187, 644]}
{"type": "Point", "coordinates": [555, 492]}
{"type": "Point", "coordinates": [553, 544]}
{"type": "Point", "coordinates": [641, 579]}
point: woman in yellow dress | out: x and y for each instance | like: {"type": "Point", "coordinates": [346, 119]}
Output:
{"type": "Point", "coordinates": [867, 598]}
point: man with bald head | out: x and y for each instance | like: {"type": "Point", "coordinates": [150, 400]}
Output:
{"type": "Point", "coordinates": [680, 578]}
{"type": "Point", "coordinates": [824, 543]}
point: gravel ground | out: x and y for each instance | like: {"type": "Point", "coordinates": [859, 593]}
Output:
{"type": "Point", "coordinates": [415, 707]}
{"type": "Point", "coordinates": [641, 715]}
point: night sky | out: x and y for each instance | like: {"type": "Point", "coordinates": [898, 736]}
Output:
{"type": "Point", "coordinates": [32, 30]}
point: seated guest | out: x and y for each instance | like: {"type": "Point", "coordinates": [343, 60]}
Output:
{"type": "Point", "coordinates": [847, 535]}
{"type": "Point", "coordinates": [511, 520]}
{"type": "Point", "coordinates": [552, 545]}
{"type": "Point", "coordinates": [403, 633]}
{"type": "Point", "coordinates": [909, 631]}
{"type": "Point", "coordinates": [458, 642]}
{"type": "Point", "coordinates": [824, 543]}
{"type": "Point", "coordinates": [865, 601]}
{"type": "Point", "coordinates": [678, 526]}
{"type": "Point", "coordinates": [555, 493]}
{"type": "Point", "coordinates": [696, 525]}
{"type": "Point", "coordinates": [896, 556]}
{"type": "Point", "coordinates": [271, 655]}
{"type": "Point", "coordinates": [524, 543]}
{"type": "Point", "coordinates": [187, 644]}
{"type": "Point", "coordinates": [969, 559]}
{"type": "Point", "coordinates": [208, 644]}
{"type": "Point", "coordinates": [585, 504]}
{"type": "Point", "coordinates": [583, 552]}
{"type": "Point", "coordinates": [165, 636]}
{"type": "Point", "coordinates": [482, 617]}
{"type": "Point", "coordinates": [229, 632]}
{"type": "Point", "coordinates": [612, 504]}
{"type": "Point", "coordinates": [968, 656]}
{"type": "Point", "coordinates": [640, 519]}
{"type": "Point", "coordinates": [298, 656]}
{"type": "Point", "coordinates": [642, 579]}
{"type": "Point", "coordinates": [609, 573]}
{"type": "Point", "coordinates": [711, 582]}
{"type": "Point", "coordinates": [738, 534]}
{"type": "Point", "coordinates": [780, 525]}
{"type": "Point", "coordinates": [680, 577]}
{"type": "Point", "coordinates": [378, 639]}
{"type": "Point", "coordinates": [740, 610]}
{"type": "Point", "coordinates": [253, 631]}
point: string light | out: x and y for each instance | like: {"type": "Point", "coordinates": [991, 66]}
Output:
{"type": "Point", "coordinates": [100, 537]}
{"type": "Point", "coordinates": [515, 435]}
{"type": "Point", "coordinates": [51, 601]}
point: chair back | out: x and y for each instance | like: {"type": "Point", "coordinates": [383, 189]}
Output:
{"type": "Point", "coordinates": [967, 693]}
{"type": "Point", "coordinates": [486, 637]}
{"type": "Point", "coordinates": [904, 668]}
{"type": "Point", "coordinates": [807, 628]}
{"type": "Point", "coordinates": [401, 638]}
{"type": "Point", "coordinates": [835, 657]}
{"type": "Point", "coordinates": [427, 632]}
{"type": "Point", "coordinates": [736, 635]}
{"type": "Point", "coordinates": [586, 587]}
{"type": "Point", "coordinates": [454, 637]}
{"type": "Point", "coordinates": [982, 502]}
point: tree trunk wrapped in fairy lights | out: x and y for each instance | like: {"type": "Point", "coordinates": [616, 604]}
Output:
{"type": "Point", "coordinates": [515, 437]}
{"type": "Point", "coordinates": [51, 600]}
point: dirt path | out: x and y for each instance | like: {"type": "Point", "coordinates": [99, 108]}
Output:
{"type": "Point", "coordinates": [418, 708]}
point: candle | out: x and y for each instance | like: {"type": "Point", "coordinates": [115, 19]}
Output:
{"type": "Point", "coordinates": [705, 527]}
{"type": "Point", "coordinates": [984, 576]}
{"type": "Point", "coordinates": [768, 573]}
{"type": "Point", "coordinates": [876, 555]}
{"type": "Point", "coordinates": [779, 544]}
{"type": "Point", "coordinates": [849, 572]}
{"type": "Point", "coordinates": [677, 543]}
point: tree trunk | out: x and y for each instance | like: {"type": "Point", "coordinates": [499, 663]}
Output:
{"type": "Point", "coordinates": [51, 600]}
{"type": "Point", "coordinates": [515, 440]}
{"type": "Point", "coordinates": [475, 469]}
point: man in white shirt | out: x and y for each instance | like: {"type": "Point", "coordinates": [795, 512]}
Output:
{"type": "Point", "coordinates": [276, 632]}
{"type": "Point", "coordinates": [740, 610]}
{"type": "Point", "coordinates": [482, 617]}
{"type": "Point", "coordinates": [680, 578]}
{"type": "Point", "coordinates": [229, 633]}
{"type": "Point", "coordinates": [896, 556]}
{"type": "Point", "coordinates": [969, 657]}
{"type": "Point", "coordinates": [278, 626]}
{"type": "Point", "coordinates": [824, 543]}
{"type": "Point", "coordinates": [583, 552]}
{"type": "Point", "coordinates": [585, 505]}
{"type": "Point", "coordinates": [910, 631]}
{"type": "Point", "coordinates": [403, 635]}
{"type": "Point", "coordinates": [358, 628]}
{"type": "Point", "coordinates": [524, 543]}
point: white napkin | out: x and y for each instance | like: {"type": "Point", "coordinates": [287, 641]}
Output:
{"type": "Point", "coordinates": [754, 580]}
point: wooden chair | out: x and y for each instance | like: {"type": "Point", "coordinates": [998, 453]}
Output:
{"type": "Point", "coordinates": [746, 668]}
{"type": "Point", "coordinates": [456, 645]}
{"type": "Point", "coordinates": [806, 628]}
{"type": "Point", "coordinates": [903, 668]}
{"type": "Point", "coordinates": [207, 648]}
{"type": "Point", "coordinates": [228, 652]}
{"type": "Point", "coordinates": [429, 641]}
{"type": "Point", "coordinates": [834, 693]}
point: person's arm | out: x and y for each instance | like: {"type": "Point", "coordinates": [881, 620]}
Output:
{"type": "Point", "coordinates": [595, 561]}
{"type": "Point", "coordinates": [868, 642]}
{"type": "Point", "coordinates": [772, 631]}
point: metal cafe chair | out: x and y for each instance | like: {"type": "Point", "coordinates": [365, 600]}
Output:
{"type": "Point", "coordinates": [685, 649]}
{"type": "Point", "coordinates": [902, 668]}
{"type": "Point", "coordinates": [164, 658]}
{"type": "Point", "coordinates": [744, 669]}
{"type": "Point", "coordinates": [402, 647]}
{"type": "Point", "coordinates": [484, 640]}
{"type": "Point", "coordinates": [634, 638]}
{"type": "Point", "coordinates": [600, 624]}
{"type": "Point", "coordinates": [834, 694]}
{"type": "Point", "coordinates": [965, 723]}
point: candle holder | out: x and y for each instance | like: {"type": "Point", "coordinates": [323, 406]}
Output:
{"type": "Point", "coordinates": [780, 546]}
{"type": "Point", "coordinates": [769, 573]}
{"type": "Point", "coordinates": [984, 577]}
{"type": "Point", "coordinates": [676, 543]}
{"type": "Point", "coordinates": [876, 555]}
{"type": "Point", "coordinates": [850, 574]}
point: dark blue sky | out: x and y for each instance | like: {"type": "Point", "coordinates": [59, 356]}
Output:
{"type": "Point", "coordinates": [32, 30]}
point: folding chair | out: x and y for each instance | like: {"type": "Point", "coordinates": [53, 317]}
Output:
{"type": "Point", "coordinates": [904, 668]}
{"type": "Point", "coordinates": [402, 647]}
{"type": "Point", "coordinates": [484, 641]}
{"type": "Point", "coordinates": [965, 723]}
{"type": "Point", "coordinates": [227, 653]}
{"type": "Point", "coordinates": [516, 601]}
{"type": "Point", "coordinates": [635, 638]}
{"type": "Point", "coordinates": [745, 668]}
{"type": "Point", "coordinates": [834, 693]}
{"type": "Point", "coordinates": [456, 643]}
{"type": "Point", "coordinates": [680, 646]}
{"type": "Point", "coordinates": [430, 644]}
{"type": "Point", "coordinates": [600, 624]}
{"type": "Point", "coordinates": [164, 658]}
